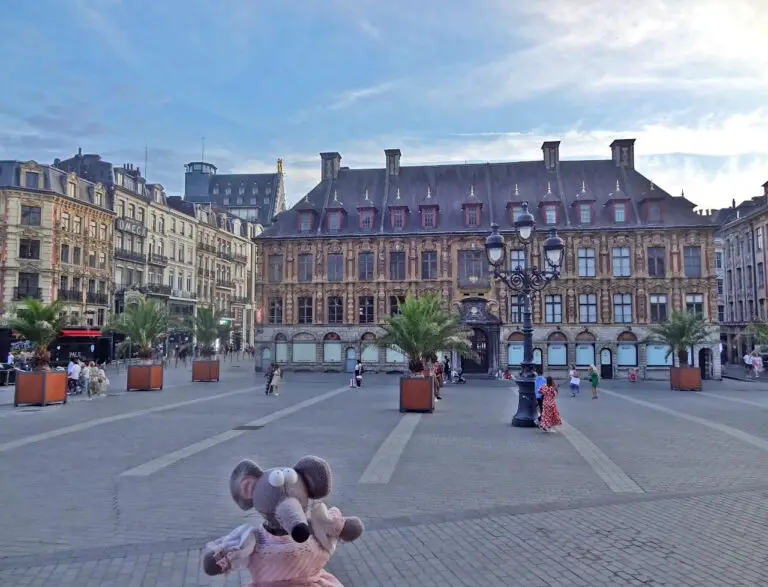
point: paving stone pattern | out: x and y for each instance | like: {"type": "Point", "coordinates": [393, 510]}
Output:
{"type": "Point", "coordinates": [472, 501]}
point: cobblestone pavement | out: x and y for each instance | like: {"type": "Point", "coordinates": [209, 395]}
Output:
{"type": "Point", "coordinates": [470, 501]}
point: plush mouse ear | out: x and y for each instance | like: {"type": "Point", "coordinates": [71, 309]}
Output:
{"type": "Point", "coordinates": [316, 473]}
{"type": "Point", "coordinates": [241, 490]}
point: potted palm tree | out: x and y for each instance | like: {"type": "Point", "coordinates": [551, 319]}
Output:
{"type": "Point", "coordinates": [680, 332]}
{"type": "Point", "coordinates": [419, 330]}
{"type": "Point", "coordinates": [41, 325]}
{"type": "Point", "coordinates": [206, 332]}
{"type": "Point", "coordinates": [143, 323]}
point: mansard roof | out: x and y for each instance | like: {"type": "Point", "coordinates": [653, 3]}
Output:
{"type": "Point", "coordinates": [493, 186]}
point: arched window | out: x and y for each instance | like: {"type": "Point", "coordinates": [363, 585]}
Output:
{"type": "Point", "coordinates": [557, 349]}
{"type": "Point", "coordinates": [626, 350]}
{"type": "Point", "coordinates": [332, 348]}
{"type": "Point", "coordinates": [515, 349]}
{"type": "Point", "coordinates": [585, 349]}
{"type": "Point", "coordinates": [370, 352]}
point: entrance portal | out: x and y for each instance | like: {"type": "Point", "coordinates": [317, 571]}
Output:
{"type": "Point", "coordinates": [480, 347]}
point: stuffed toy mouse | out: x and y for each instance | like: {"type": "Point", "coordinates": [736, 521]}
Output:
{"type": "Point", "coordinates": [294, 543]}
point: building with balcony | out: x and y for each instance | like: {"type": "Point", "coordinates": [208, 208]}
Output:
{"type": "Point", "coordinates": [56, 233]}
{"type": "Point", "coordinates": [345, 256]}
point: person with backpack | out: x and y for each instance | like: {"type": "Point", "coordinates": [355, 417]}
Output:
{"type": "Point", "coordinates": [359, 373]}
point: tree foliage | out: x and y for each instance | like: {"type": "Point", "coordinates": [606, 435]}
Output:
{"type": "Point", "coordinates": [680, 332]}
{"type": "Point", "coordinates": [144, 322]}
{"type": "Point", "coordinates": [40, 324]}
{"type": "Point", "coordinates": [207, 329]}
{"type": "Point", "coordinates": [422, 328]}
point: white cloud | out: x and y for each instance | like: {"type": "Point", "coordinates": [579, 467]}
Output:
{"type": "Point", "coordinates": [347, 99]}
{"type": "Point", "coordinates": [714, 160]}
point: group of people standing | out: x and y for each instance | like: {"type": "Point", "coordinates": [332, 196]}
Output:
{"type": "Point", "coordinates": [546, 394]}
{"type": "Point", "coordinates": [86, 377]}
{"type": "Point", "coordinates": [753, 363]}
{"type": "Point", "coordinates": [272, 377]}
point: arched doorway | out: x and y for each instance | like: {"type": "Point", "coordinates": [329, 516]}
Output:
{"type": "Point", "coordinates": [606, 364]}
{"type": "Point", "coordinates": [480, 346]}
{"type": "Point", "coordinates": [705, 363]}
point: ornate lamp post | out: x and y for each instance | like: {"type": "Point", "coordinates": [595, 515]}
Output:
{"type": "Point", "coordinates": [524, 281]}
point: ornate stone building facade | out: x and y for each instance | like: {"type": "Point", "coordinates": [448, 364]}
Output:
{"type": "Point", "coordinates": [56, 233]}
{"type": "Point", "coordinates": [362, 240]}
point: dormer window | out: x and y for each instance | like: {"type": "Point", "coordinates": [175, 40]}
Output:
{"type": "Point", "coordinates": [550, 214]}
{"type": "Point", "coordinates": [516, 211]}
{"type": "Point", "coordinates": [366, 219]}
{"type": "Point", "coordinates": [429, 217]}
{"type": "Point", "coordinates": [215, 190]}
{"type": "Point", "coordinates": [334, 220]}
{"type": "Point", "coordinates": [620, 212]}
{"type": "Point", "coordinates": [305, 221]}
{"type": "Point", "coordinates": [472, 216]}
{"type": "Point", "coordinates": [653, 211]}
{"type": "Point", "coordinates": [585, 213]}
{"type": "Point", "coordinates": [228, 191]}
{"type": "Point", "coordinates": [397, 216]}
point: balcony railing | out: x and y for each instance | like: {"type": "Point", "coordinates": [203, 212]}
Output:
{"type": "Point", "coordinates": [240, 259]}
{"type": "Point", "coordinates": [157, 289]}
{"type": "Point", "coordinates": [127, 255]}
{"type": "Point", "coordinates": [180, 293]}
{"type": "Point", "coordinates": [207, 248]}
{"type": "Point", "coordinates": [224, 283]}
{"type": "Point", "coordinates": [19, 293]}
{"type": "Point", "coordinates": [224, 255]}
{"type": "Point", "coordinates": [93, 297]}
{"type": "Point", "coordinates": [240, 300]}
{"type": "Point", "coordinates": [71, 295]}
{"type": "Point", "coordinates": [155, 259]}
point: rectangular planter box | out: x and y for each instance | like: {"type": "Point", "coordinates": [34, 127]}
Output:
{"type": "Point", "coordinates": [685, 378]}
{"type": "Point", "coordinates": [205, 370]}
{"type": "Point", "coordinates": [416, 394]}
{"type": "Point", "coordinates": [40, 388]}
{"type": "Point", "coordinates": [145, 377]}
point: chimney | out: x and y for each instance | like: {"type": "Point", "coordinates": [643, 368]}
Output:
{"type": "Point", "coordinates": [733, 203]}
{"type": "Point", "coordinates": [393, 161]}
{"type": "Point", "coordinates": [551, 155]}
{"type": "Point", "coordinates": [623, 153]}
{"type": "Point", "coordinates": [331, 163]}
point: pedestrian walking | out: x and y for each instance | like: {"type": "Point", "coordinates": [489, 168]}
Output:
{"type": "Point", "coordinates": [268, 378]}
{"type": "Point", "coordinates": [550, 416]}
{"type": "Point", "coordinates": [541, 381]}
{"type": "Point", "coordinates": [575, 382]}
{"type": "Point", "coordinates": [274, 385]}
{"type": "Point", "coordinates": [757, 363]}
{"type": "Point", "coordinates": [94, 385]}
{"type": "Point", "coordinates": [359, 373]}
{"type": "Point", "coordinates": [594, 378]}
{"type": "Point", "coordinates": [103, 380]}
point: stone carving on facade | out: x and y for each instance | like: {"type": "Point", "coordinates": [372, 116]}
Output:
{"type": "Point", "coordinates": [570, 305]}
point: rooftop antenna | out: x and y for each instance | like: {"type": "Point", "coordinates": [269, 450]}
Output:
{"type": "Point", "coordinates": [202, 158]}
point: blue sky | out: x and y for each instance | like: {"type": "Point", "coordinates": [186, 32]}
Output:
{"type": "Point", "coordinates": [443, 80]}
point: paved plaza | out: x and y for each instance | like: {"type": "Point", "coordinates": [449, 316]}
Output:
{"type": "Point", "coordinates": [644, 486]}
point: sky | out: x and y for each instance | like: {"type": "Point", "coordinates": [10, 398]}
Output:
{"type": "Point", "coordinates": [443, 80]}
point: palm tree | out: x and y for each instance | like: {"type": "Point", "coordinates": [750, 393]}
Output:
{"type": "Point", "coordinates": [143, 322]}
{"type": "Point", "coordinates": [40, 324]}
{"type": "Point", "coordinates": [207, 329]}
{"type": "Point", "coordinates": [680, 332]}
{"type": "Point", "coordinates": [422, 328]}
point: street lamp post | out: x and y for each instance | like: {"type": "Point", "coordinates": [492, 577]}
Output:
{"type": "Point", "coordinates": [524, 281]}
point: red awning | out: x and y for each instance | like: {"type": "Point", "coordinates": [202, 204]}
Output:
{"type": "Point", "coordinates": [80, 333]}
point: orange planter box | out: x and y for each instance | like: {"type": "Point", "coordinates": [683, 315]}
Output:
{"type": "Point", "coordinates": [205, 370]}
{"type": "Point", "coordinates": [40, 388]}
{"type": "Point", "coordinates": [145, 377]}
{"type": "Point", "coordinates": [685, 378]}
{"type": "Point", "coordinates": [416, 394]}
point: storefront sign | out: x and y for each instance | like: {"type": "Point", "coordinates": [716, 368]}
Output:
{"type": "Point", "coordinates": [131, 226]}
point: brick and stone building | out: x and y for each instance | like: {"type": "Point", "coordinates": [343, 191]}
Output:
{"type": "Point", "coordinates": [55, 240]}
{"type": "Point", "coordinates": [360, 241]}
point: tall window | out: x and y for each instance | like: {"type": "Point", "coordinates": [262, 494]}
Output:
{"type": "Point", "coordinates": [760, 276]}
{"type": "Point", "coordinates": [622, 308]}
{"type": "Point", "coordinates": [654, 211]}
{"type": "Point", "coordinates": [588, 308]}
{"type": "Point", "coordinates": [585, 213]}
{"type": "Point", "coordinates": [429, 265]}
{"type": "Point", "coordinates": [720, 287]}
{"type": "Point", "coordinates": [305, 310]}
{"type": "Point", "coordinates": [517, 259]}
{"type": "Point", "coordinates": [621, 262]}
{"type": "Point", "coordinates": [335, 310]}
{"type": "Point", "coordinates": [553, 309]}
{"type": "Point", "coordinates": [275, 263]}
{"type": "Point", "coordinates": [366, 309]}
{"type": "Point", "coordinates": [32, 180]}
{"type": "Point", "coordinates": [366, 219]}
{"type": "Point", "coordinates": [76, 256]}
{"type": "Point", "coordinates": [759, 239]}
{"type": "Point", "coordinates": [472, 267]}
{"type": "Point", "coordinates": [305, 267]}
{"type": "Point", "coordinates": [428, 217]}
{"type": "Point", "coordinates": [473, 215]}
{"type": "Point", "coordinates": [692, 261]}
{"type": "Point", "coordinates": [550, 214]}
{"type": "Point", "coordinates": [398, 218]}
{"type": "Point", "coordinates": [694, 304]}
{"type": "Point", "coordinates": [29, 249]}
{"type": "Point", "coordinates": [658, 308]}
{"type": "Point", "coordinates": [365, 269]}
{"type": "Point", "coordinates": [30, 215]}
{"type": "Point", "coordinates": [65, 254]}
{"type": "Point", "coordinates": [721, 313]}
{"type": "Point", "coordinates": [620, 212]}
{"type": "Point", "coordinates": [397, 265]}
{"type": "Point", "coordinates": [586, 262]}
{"type": "Point", "coordinates": [515, 309]}
{"type": "Point", "coordinates": [335, 266]}
{"type": "Point", "coordinates": [718, 259]}
{"type": "Point", "coordinates": [656, 261]}
{"type": "Point", "coordinates": [394, 304]}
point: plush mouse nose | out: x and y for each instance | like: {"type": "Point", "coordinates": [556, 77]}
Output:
{"type": "Point", "coordinates": [300, 533]}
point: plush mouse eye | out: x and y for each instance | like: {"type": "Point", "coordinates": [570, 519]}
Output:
{"type": "Point", "coordinates": [291, 476]}
{"type": "Point", "coordinates": [276, 479]}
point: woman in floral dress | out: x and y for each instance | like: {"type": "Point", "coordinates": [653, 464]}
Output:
{"type": "Point", "coordinates": [94, 385]}
{"type": "Point", "coordinates": [550, 416]}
